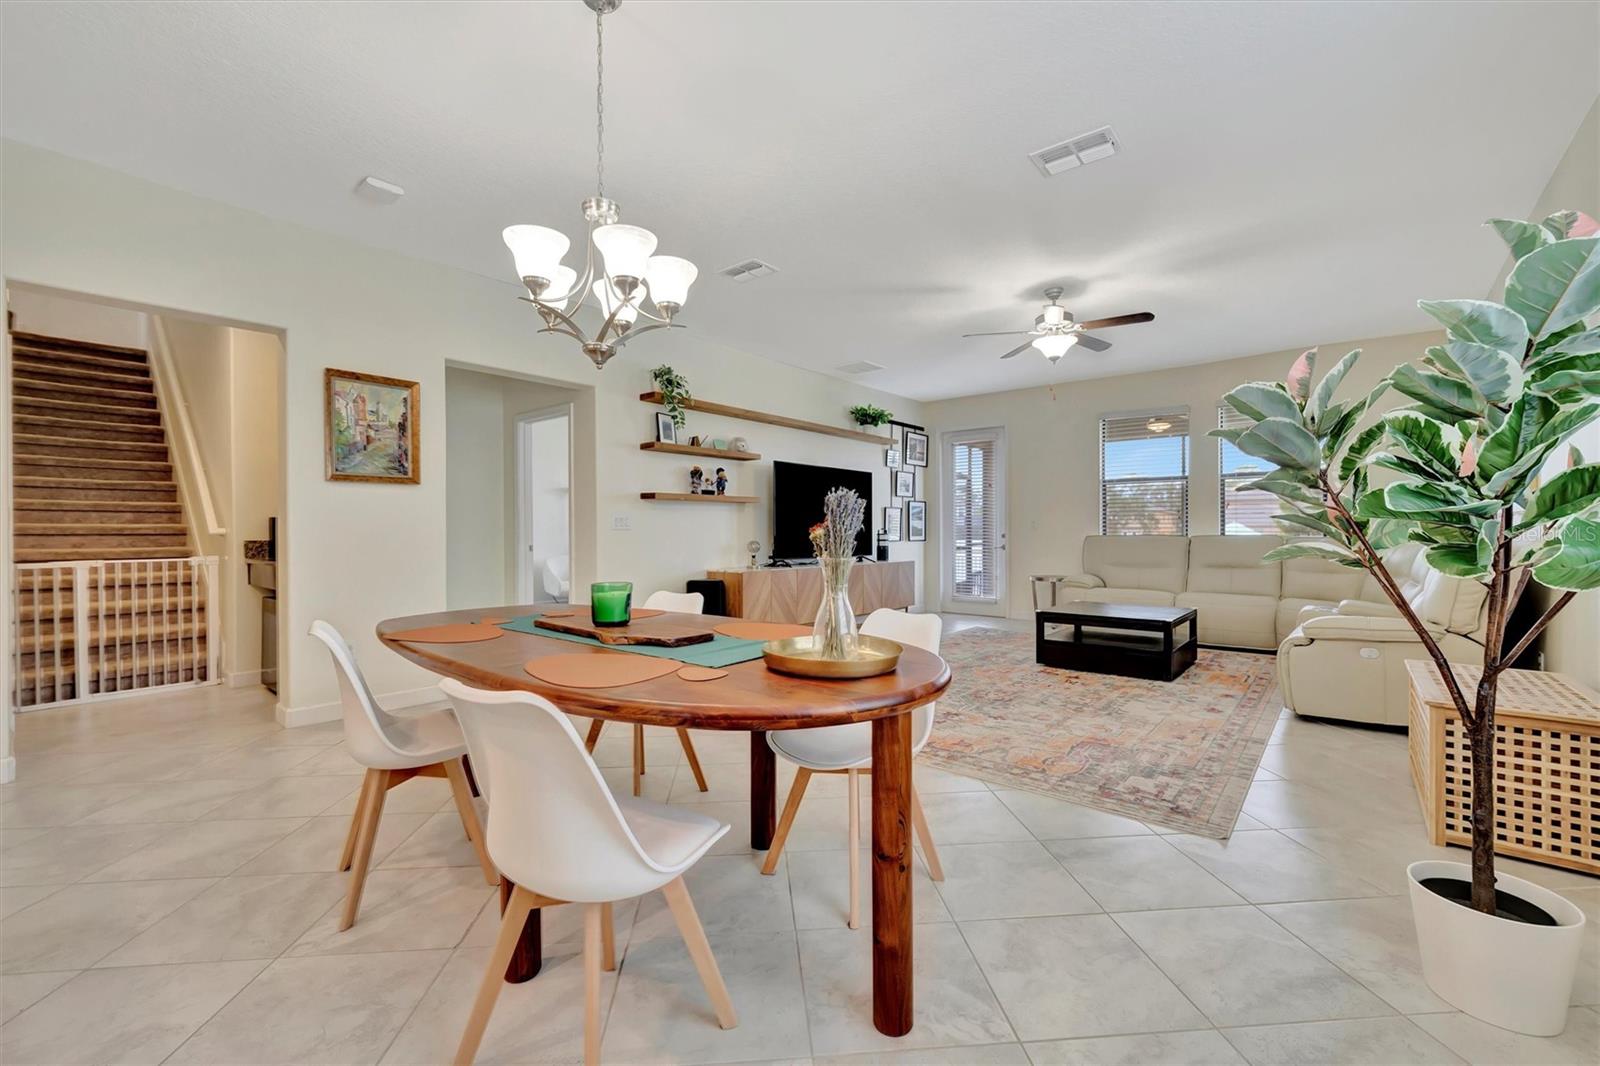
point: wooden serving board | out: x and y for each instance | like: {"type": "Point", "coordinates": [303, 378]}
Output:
{"type": "Point", "coordinates": [662, 630]}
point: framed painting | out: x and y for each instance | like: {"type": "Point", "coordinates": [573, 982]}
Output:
{"type": "Point", "coordinates": [917, 519]}
{"type": "Point", "coordinates": [905, 483]}
{"type": "Point", "coordinates": [916, 448]}
{"type": "Point", "coordinates": [372, 427]}
{"type": "Point", "coordinates": [891, 522]}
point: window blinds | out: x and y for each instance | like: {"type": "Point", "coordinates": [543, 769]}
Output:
{"type": "Point", "coordinates": [1144, 473]}
{"type": "Point", "coordinates": [974, 533]}
{"type": "Point", "coordinates": [1251, 511]}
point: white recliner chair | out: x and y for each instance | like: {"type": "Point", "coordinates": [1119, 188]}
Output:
{"type": "Point", "coordinates": [558, 577]}
{"type": "Point", "coordinates": [1349, 662]}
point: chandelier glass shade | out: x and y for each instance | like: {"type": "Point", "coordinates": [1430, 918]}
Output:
{"type": "Point", "coordinates": [620, 270]}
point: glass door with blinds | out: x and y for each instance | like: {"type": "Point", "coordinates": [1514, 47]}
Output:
{"type": "Point", "coordinates": [1144, 473]}
{"type": "Point", "coordinates": [1248, 512]}
{"type": "Point", "coordinates": [974, 552]}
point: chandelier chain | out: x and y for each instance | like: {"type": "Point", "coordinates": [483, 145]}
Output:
{"type": "Point", "coordinates": [600, 103]}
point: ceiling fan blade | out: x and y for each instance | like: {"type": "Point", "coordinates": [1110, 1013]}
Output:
{"type": "Point", "coordinates": [1119, 320]}
{"type": "Point", "coordinates": [1002, 333]}
{"type": "Point", "coordinates": [1093, 344]}
{"type": "Point", "coordinates": [1018, 350]}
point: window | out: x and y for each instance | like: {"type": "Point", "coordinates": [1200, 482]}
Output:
{"type": "Point", "coordinates": [1248, 512]}
{"type": "Point", "coordinates": [975, 502]}
{"type": "Point", "coordinates": [1144, 473]}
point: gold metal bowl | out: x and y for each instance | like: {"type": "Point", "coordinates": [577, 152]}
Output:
{"type": "Point", "coordinates": [795, 655]}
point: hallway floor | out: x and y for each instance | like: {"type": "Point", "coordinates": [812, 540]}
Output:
{"type": "Point", "coordinates": [169, 894]}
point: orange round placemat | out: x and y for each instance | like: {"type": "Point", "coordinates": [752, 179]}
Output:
{"type": "Point", "coordinates": [598, 671]}
{"type": "Point", "coordinates": [457, 633]}
{"type": "Point", "coordinates": [701, 673]}
{"type": "Point", "coordinates": [762, 630]}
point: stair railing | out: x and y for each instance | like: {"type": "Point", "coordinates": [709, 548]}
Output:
{"type": "Point", "coordinates": [181, 439]}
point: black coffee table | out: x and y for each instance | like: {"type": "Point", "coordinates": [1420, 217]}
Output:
{"type": "Point", "coordinates": [1127, 640]}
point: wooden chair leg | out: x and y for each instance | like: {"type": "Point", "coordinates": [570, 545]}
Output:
{"type": "Point", "coordinates": [608, 939]}
{"type": "Point", "coordinates": [802, 777]}
{"type": "Point", "coordinates": [594, 734]}
{"type": "Point", "coordinates": [694, 760]}
{"type": "Point", "coordinates": [377, 790]}
{"type": "Point", "coordinates": [853, 783]}
{"type": "Point", "coordinates": [355, 823]}
{"type": "Point", "coordinates": [694, 938]}
{"type": "Point", "coordinates": [920, 820]}
{"type": "Point", "coordinates": [592, 921]}
{"type": "Point", "coordinates": [638, 759]}
{"type": "Point", "coordinates": [469, 817]}
{"type": "Point", "coordinates": [516, 914]}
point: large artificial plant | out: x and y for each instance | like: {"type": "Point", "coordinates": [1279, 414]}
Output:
{"type": "Point", "coordinates": [1487, 409]}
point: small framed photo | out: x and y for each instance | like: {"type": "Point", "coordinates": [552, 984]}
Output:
{"type": "Point", "coordinates": [916, 448]}
{"type": "Point", "coordinates": [891, 458]}
{"type": "Point", "coordinates": [666, 432]}
{"type": "Point", "coordinates": [372, 427]}
{"type": "Point", "coordinates": [891, 522]}
{"type": "Point", "coordinates": [917, 519]}
{"type": "Point", "coordinates": [905, 484]}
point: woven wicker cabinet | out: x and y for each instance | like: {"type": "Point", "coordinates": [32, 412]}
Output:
{"type": "Point", "coordinates": [1547, 765]}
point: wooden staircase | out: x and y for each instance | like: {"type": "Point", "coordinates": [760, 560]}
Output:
{"type": "Point", "coordinates": [96, 506]}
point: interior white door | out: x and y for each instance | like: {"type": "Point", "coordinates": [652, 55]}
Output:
{"type": "Point", "coordinates": [544, 502]}
{"type": "Point", "coordinates": [973, 540]}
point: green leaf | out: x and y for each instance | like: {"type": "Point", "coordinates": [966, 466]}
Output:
{"type": "Point", "coordinates": [1259, 400]}
{"type": "Point", "coordinates": [1447, 394]}
{"type": "Point", "coordinates": [1360, 448]}
{"type": "Point", "coordinates": [1567, 493]}
{"type": "Point", "coordinates": [1404, 464]}
{"type": "Point", "coordinates": [1560, 224]}
{"type": "Point", "coordinates": [1322, 395]}
{"type": "Point", "coordinates": [1585, 362]}
{"type": "Point", "coordinates": [1521, 237]}
{"type": "Point", "coordinates": [1426, 440]}
{"type": "Point", "coordinates": [1385, 533]}
{"type": "Point", "coordinates": [1487, 541]}
{"type": "Point", "coordinates": [1576, 564]}
{"type": "Point", "coordinates": [1585, 342]}
{"type": "Point", "coordinates": [1502, 448]}
{"type": "Point", "coordinates": [1230, 435]}
{"type": "Point", "coordinates": [1509, 483]}
{"type": "Point", "coordinates": [1495, 374]}
{"type": "Point", "coordinates": [1480, 322]}
{"type": "Point", "coordinates": [1311, 551]}
{"type": "Point", "coordinates": [1576, 383]}
{"type": "Point", "coordinates": [1281, 442]}
{"type": "Point", "coordinates": [1556, 285]}
{"type": "Point", "coordinates": [1426, 498]}
{"type": "Point", "coordinates": [1317, 525]}
{"type": "Point", "coordinates": [1567, 422]}
{"type": "Point", "coordinates": [1455, 560]}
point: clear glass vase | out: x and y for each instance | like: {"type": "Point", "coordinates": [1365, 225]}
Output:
{"type": "Point", "coordinates": [834, 631]}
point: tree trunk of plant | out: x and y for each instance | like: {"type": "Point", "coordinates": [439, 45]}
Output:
{"type": "Point", "coordinates": [1483, 802]}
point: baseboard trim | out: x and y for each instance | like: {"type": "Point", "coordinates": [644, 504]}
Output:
{"type": "Point", "coordinates": [244, 678]}
{"type": "Point", "coordinates": [318, 713]}
{"type": "Point", "coordinates": [8, 770]}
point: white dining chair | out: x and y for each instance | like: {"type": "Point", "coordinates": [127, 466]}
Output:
{"type": "Point", "coordinates": [393, 748]}
{"type": "Point", "coordinates": [678, 603]}
{"type": "Point", "coordinates": [847, 749]}
{"type": "Point", "coordinates": [561, 836]}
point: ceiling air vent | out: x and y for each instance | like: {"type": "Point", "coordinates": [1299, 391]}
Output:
{"type": "Point", "coordinates": [1086, 148]}
{"type": "Point", "coordinates": [748, 270]}
{"type": "Point", "coordinates": [865, 366]}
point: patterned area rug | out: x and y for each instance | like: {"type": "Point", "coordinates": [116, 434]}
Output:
{"type": "Point", "coordinates": [1179, 755]}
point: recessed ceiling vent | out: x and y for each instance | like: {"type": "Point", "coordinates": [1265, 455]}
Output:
{"type": "Point", "coordinates": [865, 366]}
{"type": "Point", "coordinates": [1086, 148]}
{"type": "Point", "coordinates": [748, 270]}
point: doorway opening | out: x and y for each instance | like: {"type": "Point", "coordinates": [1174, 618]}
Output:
{"type": "Point", "coordinates": [544, 505]}
{"type": "Point", "coordinates": [974, 533]}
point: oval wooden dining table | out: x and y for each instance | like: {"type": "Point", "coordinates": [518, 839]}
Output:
{"type": "Point", "coordinates": [751, 699]}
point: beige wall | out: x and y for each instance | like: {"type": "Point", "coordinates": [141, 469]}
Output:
{"type": "Point", "coordinates": [54, 316]}
{"type": "Point", "coordinates": [1053, 441]}
{"type": "Point", "coordinates": [356, 553]}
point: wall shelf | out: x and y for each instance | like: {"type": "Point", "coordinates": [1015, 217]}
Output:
{"type": "Point", "coordinates": [786, 422]}
{"type": "Point", "coordinates": [690, 449]}
{"type": "Point", "coordinates": [689, 497]}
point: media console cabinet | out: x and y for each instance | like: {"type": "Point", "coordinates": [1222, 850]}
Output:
{"type": "Point", "coordinates": [792, 593]}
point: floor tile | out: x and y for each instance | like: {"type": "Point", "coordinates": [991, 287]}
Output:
{"type": "Point", "coordinates": [819, 882]}
{"type": "Point", "coordinates": [1298, 804]}
{"type": "Point", "coordinates": [133, 1015]}
{"type": "Point", "coordinates": [286, 797]}
{"type": "Point", "coordinates": [1012, 880]}
{"type": "Point", "coordinates": [205, 849]}
{"type": "Point", "coordinates": [1075, 976]}
{"type": "Point", "coordinates": [250, 761]}
{"type": "Point", "coordinates": [970, 818]}
{"type": "Point", "coordinates": [731, 895]}
{"type": "Point", "coordinates": [70, 853]}
{"type": "Point", "coordinates": [1139, 873]}
{"type": "Point", "coordinates": [79, 925]}
{"type": "Point", "coordinates": [419, 795]}
{"type": "Point", "coordinates": [1053, 819]}
{"type": "Point", "coordinates": [668, 1018]}
{"type": "Point", "coordinates": [1196, 1047]}
{"type": "Point", "coordinates": [1242, 968]}
{"type": "Point", "coordinates": [51, 805]}
{"type": "Point", "coordinates": [236, 918]}
{"type": "Point", "coordinates": [139, 767]}
{"type": "Point", "coordinates": [319, 1009]}
{"type": "Point", "coordinates": [168, 801]}
{"type": "Point", "coordinates": [15, 898]}
{"type": "Point", "coordinates": [560, 929]}
{"type": "Point", "coordinates": [1378, 854]}
{"type": "Point", "coordinates": [329, 760]}
{"type": "Point", "coordinates": [315, 847]}
{"type": "Point", "coordinates": [439, 841]}
{"type": "Point", "coordinates": [402, 910]}
{"type": "Point", "coordinates": [987, 1055]}
{"type": "Point", "coordinates": [19, 991]}
{"type": "Point", "coordinates": [1483, 1044]}
{"type": "Point", "coordinates": [1372, 940]}
{"type": "Point", "coordinates": [1359, 1042]}
{"type": "Point", "coordinates": [1266, 867]}
{"type": "Point", "coordinates": [955, 1005]}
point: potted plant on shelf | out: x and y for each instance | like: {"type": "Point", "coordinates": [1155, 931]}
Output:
{"type": "Point", "coordinates": [674, 390]}
{"type": "Point", "coordinates": [1488, 409]}
{"type": "Point", "coordinates": [865, 414]}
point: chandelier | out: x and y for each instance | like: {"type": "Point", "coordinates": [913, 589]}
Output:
{"type": "Point", "coordinates": [623, 272]}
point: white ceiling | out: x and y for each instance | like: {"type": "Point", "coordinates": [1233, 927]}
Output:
{"type": "Point", "coordinates": [1290, 173]}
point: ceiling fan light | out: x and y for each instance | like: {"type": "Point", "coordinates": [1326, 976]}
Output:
{"type": "Point", "coordinates": [669, 278]}
{"type": "Point", "coordinates": [1158, 425]}
{"type": "Point", "coordinates": [536, 250]}
{"type": "Point", "coordinates": [1055, 345]}
{"type": "Point", "coordinates": [626, 249]}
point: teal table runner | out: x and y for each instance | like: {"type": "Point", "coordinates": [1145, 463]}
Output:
{"type": "Point", "coordinates": [719, 651]}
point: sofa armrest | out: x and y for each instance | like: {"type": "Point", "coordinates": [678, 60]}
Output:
{"type": "Point", "coordinates": [1081, 581]}
{"type": "Point", "coordinates": [1364, 628]}
{"type": "Point", "coordinates": [1367, 609]}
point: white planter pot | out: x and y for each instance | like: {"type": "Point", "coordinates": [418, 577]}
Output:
{"type": "Point", "coordinates": [1507, 973]}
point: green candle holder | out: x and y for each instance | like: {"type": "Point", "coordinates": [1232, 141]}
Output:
{"type": "Point", "coordinates": [611, 602]}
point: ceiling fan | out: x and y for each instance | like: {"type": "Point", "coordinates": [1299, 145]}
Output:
{"type": "Point", "coordinates": [1054, 331]}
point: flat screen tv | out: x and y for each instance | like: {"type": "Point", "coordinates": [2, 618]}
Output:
{"type": "Point", "coordinates": [797, 495]}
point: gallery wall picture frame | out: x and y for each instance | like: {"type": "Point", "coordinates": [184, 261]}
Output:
{"type": "Point", "coordinates": [917, 519]}
{"type": "Point", "coordinates": [371, 428]}
{"type": "Point", "coordinates": [666, 431]}
{"type": "Point", "coordinates": [916, 453]}
{"type": "Point", "coordinates": [905, 484]}
{"type": "Point", "coordinates": [891, 522]}
{"type": "Point", "coordinates": [891, 458]}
